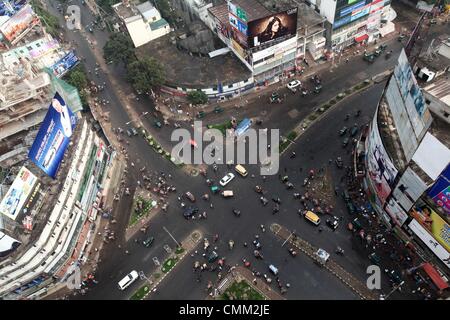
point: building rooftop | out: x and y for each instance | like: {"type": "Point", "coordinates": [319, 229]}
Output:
{"type": "Point", "coordinates": [191, 71]}
{"type": "Point", "coordinates": [440, 89]}
{"type": "Point", "coordinates": [253, 8]}
{"type": "Point", "coordinates": [220, 12]}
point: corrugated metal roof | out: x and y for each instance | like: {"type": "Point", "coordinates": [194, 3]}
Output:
{"type": "Point", "coordinates": [440, 89]}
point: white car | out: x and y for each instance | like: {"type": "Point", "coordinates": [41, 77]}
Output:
{"type": "Point", "coordinates": [225, 180]}
{"type": "Point", "coordinates": [128, 279]}
{"type": "Point", "coordinates": [294, 84]}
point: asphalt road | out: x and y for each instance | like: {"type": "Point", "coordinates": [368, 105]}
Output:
{"type": "Point", "coordinates": [314, 148]}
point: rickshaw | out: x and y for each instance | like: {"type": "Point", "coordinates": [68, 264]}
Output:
{"type": "Point", "coordinates": [215, 189]}
{"type": "Point", "coordinates": [258, 189]}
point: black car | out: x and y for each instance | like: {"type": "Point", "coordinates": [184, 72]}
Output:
{"type": "Point", "coordinates": [332, 223]}
{"type": "Point", "coordinates": [354, 130]}
{"type": "Point", "coordinates": [343, 131]}
{"type": "Point", "coordinates": [237, 212]}
{"type": "Point", "coordinates": [276, 200]}
{"type": "Point", "coordinates": [189, 212]}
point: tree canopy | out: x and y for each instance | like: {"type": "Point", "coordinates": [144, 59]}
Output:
{"type": "Point", "coordinates": [197, 97]}
{"type": "Point", "coordinates": [145, 74]}
{"type": "Point", "coordinates": [119, 48]}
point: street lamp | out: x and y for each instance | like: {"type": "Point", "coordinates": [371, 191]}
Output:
{"type": "Point", "coordinates": [382, 297]}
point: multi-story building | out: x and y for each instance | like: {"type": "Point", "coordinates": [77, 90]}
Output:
{"type": "Point", "coordinates": [30, 63]}
{"type": "Point", "coordinates": [142, 20]}
{"type": "Point", "coordinates": [406, 156]}
{"type": "Point", "coordinates": [269, 37]}
{"type": "Point", "coordinates": [57, 216]}
{"type": "Point", "coordinates": [354, 21]}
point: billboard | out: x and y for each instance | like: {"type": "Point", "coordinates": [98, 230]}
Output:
{"type": "Point", "coordinates": [430, 242]}
{"type": "Point", "coordinates": [53, 137]}
{"type": "Point", "coordinates": [432, 156]}
{"type": "Point", "coordinates": [18, 193]}
{"type": "Point", "coordinates": [440, 191]}
{"type": "Point", "coordinates": [17, 24]}
{"type": "Point", "coordinates": [431, 221]}
{"type": "Point", "coordinates": [409, 188]}
{"type": "Point", "coordinates": [407, 104]}
{"type": "Point", "coordinates": [272, 27]}
{"type": "Point", "coordinates": [398, 215]}
{"type": "Point", "coordinates": [349, 11]}
{"type": "Point", "coordinates": [66, 63]}
{"type": "Point", "coordinates": [381, 171]}
{"type": "Point", "coordinates": [9, 7]}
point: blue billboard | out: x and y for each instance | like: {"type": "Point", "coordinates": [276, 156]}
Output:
{"type": "Point", "coordinates": [64, 64]}
{"type": "Point", "coordinates": [10, 7]}
{"type": "Point", "coordinates": [352, 8]}
{"type": "Point", "coordinates": [53, 137]}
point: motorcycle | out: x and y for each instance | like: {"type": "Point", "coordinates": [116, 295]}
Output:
{"type": "Point", "coordinates": [231, 244]}
{"type": "Point", "coordinates": [339, 250]}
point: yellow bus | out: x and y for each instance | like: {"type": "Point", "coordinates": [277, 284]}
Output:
{"type": "Point", "coordinates": [312, 217]}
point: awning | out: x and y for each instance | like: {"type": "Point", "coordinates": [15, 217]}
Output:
{"type": "Point", "coordinates": [362, 38]}
{"type": "Point", "coordinates": [435, 276]}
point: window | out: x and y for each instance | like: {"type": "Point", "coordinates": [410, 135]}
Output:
{"type": "Point", "coordinates": [30, 48]}
{"type": "Point", "coordinates": [154, 18]}
{"type": "Point", "coordinates": [427, 101]}
{"type": "Point", "coordinates": [446, 114]}
{"type": "Point", "coordinates": [38, 45]}
{"type": "Point", "coordinates": [230, 86]}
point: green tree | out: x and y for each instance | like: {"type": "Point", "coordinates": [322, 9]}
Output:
{"type": "Point", "coordinates": [197, 97]}
{"type": "Point", "coordinates": [145, 74]}
{"type": "Point", "coordinates": [119, 48]}
{"type": "Point", "coordinates": [77, 78]}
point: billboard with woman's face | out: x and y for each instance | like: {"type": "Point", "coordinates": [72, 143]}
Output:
{"type": "Point", "coordinates": [272, 27]}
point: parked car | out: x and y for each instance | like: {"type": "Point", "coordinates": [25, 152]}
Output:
{"type": "Point", "coordinates": [213, 257]}
{"type": "Point", "coordinates": [354, 130]}
{"type": "Point", "coordinates": [225, 180]}
{"type": "Point", "coordinates": [190, 196]}
{"type": "Point", "coordinates": [343, 131]}
{"type": "Point", "coordinates": [148, 242]}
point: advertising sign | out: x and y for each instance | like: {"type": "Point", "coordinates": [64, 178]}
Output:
{"type": "Point", "coordinates": [432, 156]}
{"type": "Point", "coordinates": [43, 48]}
{"type": "Point", "coordinates": [398, 215]}
{"type": "Point", "coordinates": [9, 7]}
{"type": "Point", "coordinates": [349, 10]}
{"type": "Point", "coordinates": [64, 64]}
{"type": "Point", "coordinates": [409, 188]}
{"type": "Point", "coordinates": [440, 191]}
{"type": "Point", "coordinates": [381, 170]}
{"type": "Point", "coordinates": [53, 137]}
{"type": "Point", "coordinates": [431, 243]}
{"type": "Point", "coordinates": [272, 27]}
{"type": "Point", "coordinates": [17, 24]}
{"type": "Point", "coordinates": [431, 221]}
{"type": "Point", "coordinates": [18, 193]}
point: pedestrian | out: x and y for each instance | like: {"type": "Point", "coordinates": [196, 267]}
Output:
{"type": "Point", "coordinates": [346, 60]}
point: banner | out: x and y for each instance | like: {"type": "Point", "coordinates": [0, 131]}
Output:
{"type": "Point", "coordinates": [433, 222]}
{"type": "Point", "coordinates": [17, 24]}
{"type": "Point", "coordinates": [440, 191]}
{"type": "Point", "coordinates": [53, 137]}
{"type": "Point", "coordinates": [430, 242]}
{"type": "Point", "coordinates": [272, 27]}
{"type": "Point", "coordinates": [381, 171]}
{"type": "Point", "coordinates": [18, 193]}
{"type": "Point", "coordinates": [64, 64]}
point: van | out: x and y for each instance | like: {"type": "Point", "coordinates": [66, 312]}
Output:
{"type": "Point", "coordinates": [241, 170]}
{"type": "Point", "coordinates": [273, 269]}
{"type": "Point", "coordinates": [312, 217]}
{"type": "Point", "coordinates": [129, 279]}
{"type": "Point", "coordinates": [227, 193]}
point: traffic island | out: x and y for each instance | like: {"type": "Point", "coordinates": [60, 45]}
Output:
{"type": "Point", "coordinates": [241, 290]}
{"type": "Point", "coordinates": [160, 150]}
{"type": "Point", "coordinates": [152, 281]}
{"type": "Point", "coordinates": [141, 208]}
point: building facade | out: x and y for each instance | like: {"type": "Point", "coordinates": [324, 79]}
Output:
{"type": "Point", "coordinates": [406, 158]}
